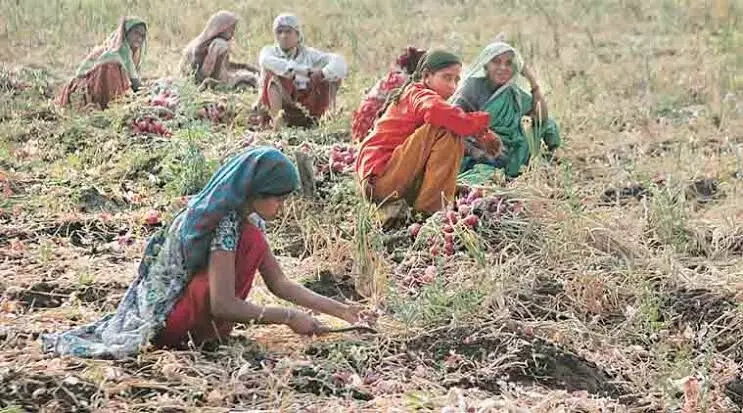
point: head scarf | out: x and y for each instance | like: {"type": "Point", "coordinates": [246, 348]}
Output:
{"type": "Point", "coordinates": [476, 69]}
{"type": "Point", "coordinates": [437, 60]}
{"type": "Point", "coordinates": [116, 49]}
{"type": "Point", "coordinates": [218, 23]}
{"type": "Point", "coordinates": [258, 171]}
{"type": "Point", "coordinates": [288, 20]}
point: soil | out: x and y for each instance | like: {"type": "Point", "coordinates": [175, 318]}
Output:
{"type": "Point", "coordinates": [537, 362]}
{"type": "Point", "coordinates": [338, 287]}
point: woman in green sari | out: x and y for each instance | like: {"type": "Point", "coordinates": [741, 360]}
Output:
{"type": "Point", "coordinates": [519, 118]}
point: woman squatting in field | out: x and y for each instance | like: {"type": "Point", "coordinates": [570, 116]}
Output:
{"type": "Point", "coordinates": [207, 57]}
{"type": "Point", "coordinates": [414, 152]}
{"type": "Point", "coordinates": [195, 275]}
{"type": "Point", "coordinates": [110, 70]}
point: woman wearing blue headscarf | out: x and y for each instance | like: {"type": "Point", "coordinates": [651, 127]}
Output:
{"type": "Point", "coordinates": [195, 275]}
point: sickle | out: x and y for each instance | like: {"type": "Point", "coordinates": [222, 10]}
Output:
{"type": "Point", "coordinates": [362, 329]}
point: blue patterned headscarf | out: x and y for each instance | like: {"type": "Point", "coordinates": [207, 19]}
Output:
{"type": "Point", "coordinates": [258, 171]}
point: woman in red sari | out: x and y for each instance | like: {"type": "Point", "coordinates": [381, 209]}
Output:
{"type": "Point", "coordinates": [110, 70]}
{"type": "Point", "coordinates": [195, 275]}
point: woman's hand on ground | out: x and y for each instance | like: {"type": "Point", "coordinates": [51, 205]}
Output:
{"type": "Point", "coordinates": [303, 323]}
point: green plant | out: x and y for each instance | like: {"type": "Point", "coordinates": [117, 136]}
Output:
{"type": "Point", "coordinates": [85, 278]}
{"type": "Point", "coordinates": [650, 316]}
{"type": "Point", "coordinates": [369, 278]}
{"type": "Point", "coordinates": [436, 304]}
{"type": "Point", "coordinates": [186, 170]}
{"type": "Point", "coordinates": [668, 215]}
{"type": "Point", "coordinates": [46, 251]}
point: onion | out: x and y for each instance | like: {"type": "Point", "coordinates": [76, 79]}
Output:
{"type": "Point", "coordinates": [415, 229]}
{"type": "Point", "coordinates": [429, 275]}
{"type": "Point", "coordinates": [152, 217]}
{"type": "Point", "coordinates": [449, 249]}
{"type": "Point", "coordinates": [471, 221]}
{"type": "Point", "coordinates": [338, 166]}
{"type": "Point", "coordinates": [336, 156]}
{"type": "Point", "coordinates": [451, 217]}
{"type": "Point", "coordinates": [473, 195]}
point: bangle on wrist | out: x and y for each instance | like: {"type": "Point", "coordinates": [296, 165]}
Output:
{"type": "Point", "coordinates": [288, 316]}
{"type": "Point", "coordinates": [260, 316]}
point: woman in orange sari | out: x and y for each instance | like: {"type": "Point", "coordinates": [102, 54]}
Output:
{"type": "Point", "coordinates": [207, 57]}
{"type": "Point", "coordinates": [110, 70]}
{"type": "Point", "coordinates": [416, 147]}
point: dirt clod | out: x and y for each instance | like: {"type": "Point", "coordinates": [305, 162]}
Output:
{"type": "Point", "coordinates": [697, 306]}
{"type": "Point", "coordinates": [52, 294]}
{"type": "Point", "coordinates": [36, 392]}
{"type": "Point", "coordinates": [529, 360]}
{"type": "Point", "coordinates": [625, 194]}
{"type": "Point", "coordinates": [338, 287]}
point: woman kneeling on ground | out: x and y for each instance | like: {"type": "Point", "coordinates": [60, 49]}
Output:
{"type": "Point", "coordinates": [416, 147]}
{"type": "Point", "coordinates": [110, 70]}
{"type": "Point", "coordinates": [196, 274]}
{"type": "Point", "coordinates": [491, 85]}
{"type": "Point", "coordinates": [207, 57]}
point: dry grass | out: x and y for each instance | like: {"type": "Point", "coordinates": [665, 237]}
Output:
{"type": "Point", "coordinates": [618, 288]}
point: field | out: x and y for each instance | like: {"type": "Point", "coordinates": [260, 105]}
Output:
{"type": "Point", "coordinates": [610, 281]}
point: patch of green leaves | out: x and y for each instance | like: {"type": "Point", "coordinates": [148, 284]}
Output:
{"type": "Point", "coordinates": [437, 304]}
{"type": "Point", "coordinates": [185, 169]}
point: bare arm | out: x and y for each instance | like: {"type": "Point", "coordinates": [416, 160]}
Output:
{"type": "Point", "coordinates": [539, 110]}
{"type": "Point", "coordinates": [283, 287]}
{"type": "Point", "coordinates": [243, 66]}
{"type": "Point", "coordinates": [225, 305]}
{"type": "Point", "coordinates": [209, 64]}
